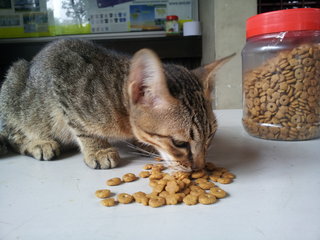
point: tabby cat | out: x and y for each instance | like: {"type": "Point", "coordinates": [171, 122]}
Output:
{"type": "Point", "coordinates": [75, 92]}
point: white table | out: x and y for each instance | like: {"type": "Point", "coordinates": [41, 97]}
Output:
{"type": "Point", "coordinates": [276, 195]}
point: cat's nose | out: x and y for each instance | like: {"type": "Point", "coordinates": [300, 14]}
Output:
{"type": "Point", "coordinates": [198, 162]}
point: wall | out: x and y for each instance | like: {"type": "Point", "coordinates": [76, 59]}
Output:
{"type": "Point", "coordinates": [223, 25]}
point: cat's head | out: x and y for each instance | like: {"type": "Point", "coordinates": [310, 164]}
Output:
{"type": "Point", "coordinates": [171, 109]}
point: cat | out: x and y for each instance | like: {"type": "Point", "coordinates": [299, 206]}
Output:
{"type": "Point", "coordinates": [76, 92]}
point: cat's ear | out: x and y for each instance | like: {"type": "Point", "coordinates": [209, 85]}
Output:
{"type": "Point", "coordinates": [147, 83]}
{"type": "Point", "coordinates": [205, 73]}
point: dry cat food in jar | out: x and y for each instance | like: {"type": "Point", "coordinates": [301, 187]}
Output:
{"type": "Point", "coordinates": [281, 75]}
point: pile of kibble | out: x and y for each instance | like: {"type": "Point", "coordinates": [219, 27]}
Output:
{"type": "Point", "coordinates": [171, 189]}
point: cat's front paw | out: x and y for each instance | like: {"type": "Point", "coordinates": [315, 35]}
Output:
{"type": "Point", "coordinates": [42, 150]}
{"type": "Point", "coordinates": [103, 159]}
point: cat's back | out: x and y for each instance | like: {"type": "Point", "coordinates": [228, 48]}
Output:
{"type": "Point", "coordinates": [87, 50]}
{"type": "Point", "coordinates": [74, 59]}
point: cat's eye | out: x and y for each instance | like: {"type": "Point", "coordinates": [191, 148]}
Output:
{"type": "Point", "coordinates": [180, 144]}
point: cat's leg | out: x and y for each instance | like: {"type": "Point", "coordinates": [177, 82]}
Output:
{"type": "Point", "coordinates": [37, 147]}
{"type": "Point", "coordinates": [98, 153]}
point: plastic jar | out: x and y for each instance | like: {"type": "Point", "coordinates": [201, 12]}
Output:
{"type": "Point", "coordinates": [281, 75]}
{"type": "Point", "coordinates": [172, 25]}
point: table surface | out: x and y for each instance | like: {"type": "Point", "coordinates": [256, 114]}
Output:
{"type": "Point", "coordinates": [275, 195]}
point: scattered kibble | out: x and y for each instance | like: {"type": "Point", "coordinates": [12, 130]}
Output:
{"type": "Point", "coordinates": [172, 189]}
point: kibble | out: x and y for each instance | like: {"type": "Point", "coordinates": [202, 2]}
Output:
{"type": "Point", "coordinates": [190, 199]}
{"type": "Point", "coordinates": [103, 193]}
{"type": "Point", "coordinates": [109, 202]}
{"type": "Point", "coordinates": [124, 198]}
{"type": "Point", "coordinates": [156, 201]}
{"type": "Point", "coordinates": [282, 96]}
{"type": "Point", "coordinates": [114, 181]}
{"type": "Point", "coordinates": [129, 177]}
{"type": "Point", "coordinates": [218, 192]}
{"type": "Point", "coordinates": [172, 189]}
{"type": "Point", "coordinates": [207, 198]}
{"type": "Point", "coordinates": [144, 174]}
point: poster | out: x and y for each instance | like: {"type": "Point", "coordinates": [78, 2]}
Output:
{"type": "Point", "coordinates": [34, 18]}
{"type": "Point", "coordinates": [110, 3]}
{"type": "Point", "coordinates": [26, 5]}
{"type": "Point", "coordinates": [109, 20]}
{"type": "Point", "coordinates": [35, 22]}
{"type": "Point", "coordinates": [24, 18]}
{"type": "Point", "coordinates": [183, 9]}
{"type": "Point", "coordinates": [113, 17]}
{"type": "Point", "coordinates": [147, 17]}
{"type": "Point", "coordinates": [9, 20]}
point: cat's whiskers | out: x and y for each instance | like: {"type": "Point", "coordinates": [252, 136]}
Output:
{"type": "Point", "coordinates": [140, 154]}
{"type": "Point", "coordinates": [174, 166]}
{"type": "Point", "coordinates": [218, 116]}
{"type": "Point", "coordinates": [178, 168]}
{"type": "Point", "coordinates": [210, 147]}
{"type": "Point", "coordinates": [140, 151]}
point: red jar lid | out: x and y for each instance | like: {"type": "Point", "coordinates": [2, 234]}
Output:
{"type": "Point", "coordinates": [299, 19]}
{"type": "Point", "coordinates": [172, 17]}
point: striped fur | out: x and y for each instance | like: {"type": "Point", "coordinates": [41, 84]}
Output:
{"type": "Point", "coordinates": [74, 92]}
